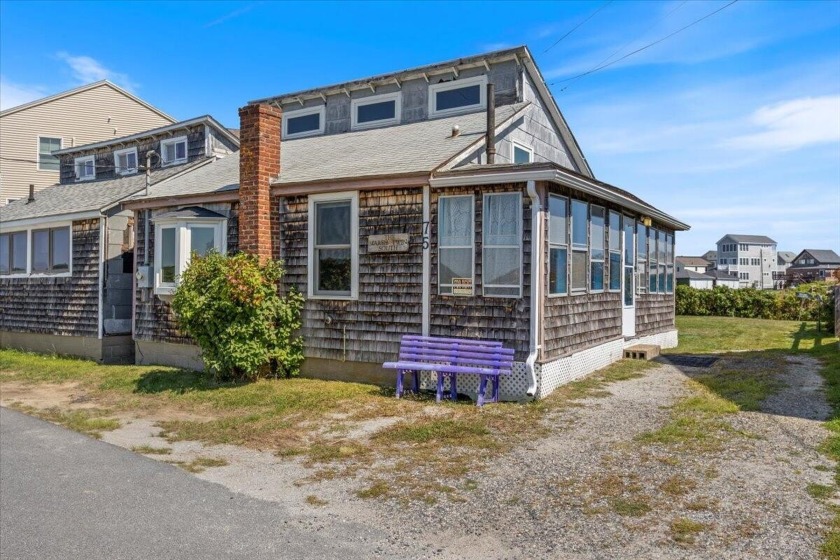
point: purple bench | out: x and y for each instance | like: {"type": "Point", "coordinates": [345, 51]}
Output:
{"type": "Point", "coordinates": [449, 357]}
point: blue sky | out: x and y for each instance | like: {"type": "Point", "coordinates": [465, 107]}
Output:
{"type": "Point", "coordinates": [732, 125]}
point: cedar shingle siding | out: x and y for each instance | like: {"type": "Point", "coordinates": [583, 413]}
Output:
{"type": "Point", "coordinates": [65, 305]}
{"type": "Point", "coordinates": [654, 313]}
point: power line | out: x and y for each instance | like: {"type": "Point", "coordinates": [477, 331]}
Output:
{"type": "Point", "coordinates": [592, 15]}
{"type": "Point", "coordinates": [680, 30]}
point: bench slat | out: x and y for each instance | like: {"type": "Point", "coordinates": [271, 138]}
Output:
{"type": "Point", "coordinates": [444, 348]}
{"type": "Point", "coordinates": [462, 341]}
{"type": "Point", "coordinates": [445, 368]}
{"type": "Point", "coordinates": [457, 360]}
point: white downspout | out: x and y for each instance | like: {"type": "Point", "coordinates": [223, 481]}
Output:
{"type": "Point", "coordinates": [536, 283]}
{"type": "Point", "coordinates": [427, 274]}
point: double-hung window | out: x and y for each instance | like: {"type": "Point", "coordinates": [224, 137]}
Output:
{"type": "Point", "coordinates": [641, 258]}
{"type": "Point", "coordinates": [662, 258]}
{"type": "Point", "coordinates": [629, 261]}
{"type": "Point", "coordinates": [596, 248]}
{"type": "Point", "coordinates": [51, 250]}
{"type": "Point", "coordinates": [653, 265]}
{"type": "Point", "coordinates": [13, 252]}
{"type": "Point", "coordinates": [125, 161]}
{"type": "Point", "coordinates": [615, 252]}
{"type": "Point", "coordinates": [456, 241]}
{"type": "Point", "coordinates": [173, 151]}
{"type": "Point", "coordinates": [375, 110]}
{"type": "Point", "coordinates": [457, 96]}
{"type": "Point", "coordinates": [46, 160]}
{"type": "Point", "coordinates": [580, 245]}
{"type": "Point", "coordinates": [501, 262]}
{"type": "Point", "coordinates": [85, 168]}
{"type": "Point", "coordinates": [558, 245]}
{"type": "Point", "coordinates": [304, 122]}
{"type": "Point", "coordinates": [333, 245]}
{"type": "Point", "coordinates": [177, 239]}
{"type": "Point", "coordinates": [669, 247]}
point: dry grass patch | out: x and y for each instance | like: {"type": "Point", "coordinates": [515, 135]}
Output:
{"type": "Point", "coordinates": [200, 464]}
{"type": "Point", "coordinates": [316, 501]}
{"type": "Point", "coordinates": [149, 450]}
{"type": "Point", "coordinates": [678, 485]}
{"type": "Point", "coordinates": [685, 531]}
{"type": "Point", "coordinates": [91, 422]}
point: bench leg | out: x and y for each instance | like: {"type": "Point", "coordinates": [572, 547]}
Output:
{"type": "Point", "coordinates": [496, 388]}
{"type": "Point", "coordinates": [482, 386]}
{"type": "Point", "coordinates": [416, 382]}
{"type": "Point", "coordinates": [453, 388]}
{"type": "Point", "coordinates": [439, 387]}
{"type": "Point", "coordinates": [399, 383]}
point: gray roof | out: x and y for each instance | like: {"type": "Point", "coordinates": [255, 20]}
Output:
{"type": "Point", "coordinates": [693, 261]}
{"type": "Point", "coordinates": [221, 175]}
{"type": "Point", "coordinates": [83, 197]}
{"type": "Point", "coordinates": [721, 275]}
{"type": "Point", "coordinates": [786, 256]}
{"type": "Point", "coordinates": [823, 256]}
{"type": "Point", "coordinates": [738, 238]}
{"type": "Point", "coordinates": [188, 212]}
{"type": "Point", "coordinates": [396, 150]}
{"type": "Point", "coordinates": [691, 275]}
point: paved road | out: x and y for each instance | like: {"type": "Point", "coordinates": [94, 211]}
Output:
{"type": "Point", "coordinates": [63, 496]}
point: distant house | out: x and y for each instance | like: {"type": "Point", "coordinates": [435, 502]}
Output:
{"type": "Point", "coordinates": [752, 257]}
{"type": "Point", "coordinates": [30, 134]}
{"type": "Point", "coordinates": [783, 261]}
{"type": "Point", "coordinates": [66, 253]}
{"type": "Point", "coordinates": [694, 264]}
{"type": "Point", "coordinates": [722, 278]}
{"type": "Point", "coordinates": [813, 265]}
{"type": "Point", "coordinates": [710, 256]}
{"type": "Point", "coordinates": [694, 279]}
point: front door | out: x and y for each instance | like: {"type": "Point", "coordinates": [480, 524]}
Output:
{"type": "Point", "coordinates": [628, 288]}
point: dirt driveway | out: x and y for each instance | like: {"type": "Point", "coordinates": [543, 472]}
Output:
{"type": "Point", "coordinates": [658, 466]}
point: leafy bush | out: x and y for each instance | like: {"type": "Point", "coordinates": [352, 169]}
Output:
{"type": "Point", "coordinates": [231, 307]}
{"type": "Point", "coordinates": [752, 303]}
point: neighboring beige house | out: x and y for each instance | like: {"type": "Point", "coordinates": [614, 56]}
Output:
{"type": "Point", "coordinates": [694, 264]}
{"type": "Point", "coordinates": [29, 133]}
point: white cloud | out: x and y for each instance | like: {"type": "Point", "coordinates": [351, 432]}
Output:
{"type": "Point", "coordinates": [793, 124]}
{"type": "Point", "coordinates": [86, 69]}
{"type": "Point", "coordinates": [13, 94]}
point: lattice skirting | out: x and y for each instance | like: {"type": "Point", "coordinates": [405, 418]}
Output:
{"type": "Point", "coordinates": [511, 387]}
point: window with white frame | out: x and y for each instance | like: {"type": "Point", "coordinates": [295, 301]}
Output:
{"type": "Point", "coordinates": [522, 153]}
{"type": "Point", "coordinates": [641, 258]}
{"type": "Point", "coordinates": [304, 122]}
{"type": "Point", "coordinates": [375, 110]}
{"type": "Point", "coordinates": [177, 240]}
{"type": "Point", "coordinates": [501, 261]}
{"type": "Point", "coordinates": [125, 161]}
{"type": "Point", "coordinates": [615, 252]}
{"type": "Point", "coordinates": [85, 168]}
{"type": "Point", "coordinates": [669, 246]}
{"type": "Point", "coordinates": [662, 253]}
{"type": "Point", "coordinates": [558, 245]}
{"type": "Point", "coordinates": [457, 96]}
{"type": "Point", "coordinates": [629, 260]}
{"type": "Point", "coordinates": [744, 275]}
{"type": "Point", "coordinates": [173, 150]}
{"type": "Point", "coordinates": [580, 245]}
{"type": "Point", "coordinates": [653, 265]}
{"type": "Point", "coordinates": [456, 240]}
{"type": "Point", "coordinates": [744, 247]}
{"type": "Point", "coordinates": [13, 252]}
{"type": "Point", "coordinates": [46, 160]}
{"type": "Point", "coordinates": [334, 245]}
{"type": "Point", "coordinates": [596, 248]}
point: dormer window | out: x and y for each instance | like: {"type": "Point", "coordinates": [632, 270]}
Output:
{"type": "Point", "coordinates": [457, 96]}
{"type": "Point", "coordinates": [173, 151]}
{"type": "Point", "coordinates": [125, 161]}
{"type": "Point", "coordinates": [376, 110]}
{"type": "Point", "coordinates": [85, 168]}
{"type": "Point", "coordinates": [304, 122]}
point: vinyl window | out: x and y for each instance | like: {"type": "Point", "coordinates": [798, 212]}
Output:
{"type": "Point", "coordinates": [501, 262]}
{"type": "Point", "coordinates": [457, 96]}
{"type": "Point", "coordinates": [662, 252]}
{"type": "Point", "coordinates": [629, 260]}
{"type": "Point", "coordinates": [615, 252]}
{"type": "Point", "coordinates": [580, 245]}
{"type": "Point", "coordinates": [177, 241]}
{"type": "Point", "coordinates": [125, 161]}
{"type": "Point", "coordinates": [376, 110]}
{"type": "Point", "coordinates": [334, 253]}
{"type": "Point", "coordinates": [456, 240]}
{"type": "Point", "coordinates": [669, 246]}
{"type": "Point", "coordinates": [51, 250]}
{"type": "Point", "coordinates": [596, 248]}
{"type": "Point", "coordinates": [653, 265]}
{"type": "Point", "coordinates": [173, 151]}
{"type": "Point", "coordinates": [85, 168]}
{"type": "Point", "coordinates": [641, 258]}
{"type": "Point", "coordinates": [522, 153]}
{"type": "Point", "coordinates": [46, 160]}
{"type": "Point", "coordinates": [558, 245]}
{"type": "Point", "coordinates": [13, 252]}
{"type": "Point", "coordinates": [304, 122]}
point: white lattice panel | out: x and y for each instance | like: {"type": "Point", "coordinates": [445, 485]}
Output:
{"type": "Point", "coordinates": [562, 371]}
{"type": "Point", "coordinates": [512, 387]}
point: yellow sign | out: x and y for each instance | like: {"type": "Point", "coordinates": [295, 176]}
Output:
{"type": "Point", "coordinates": [462, 286]}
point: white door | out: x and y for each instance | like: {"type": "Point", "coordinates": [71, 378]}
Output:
{"type": "Point", "coordinates": [628, 285]}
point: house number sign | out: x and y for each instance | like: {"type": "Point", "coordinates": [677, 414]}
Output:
{"type": "Point", "coordinates": [388, 243]}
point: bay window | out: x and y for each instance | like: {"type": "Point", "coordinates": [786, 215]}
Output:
{"type": "Point", "coordinates": [333, 246]}
{"type": "Point", "coordinates": [501, 269]}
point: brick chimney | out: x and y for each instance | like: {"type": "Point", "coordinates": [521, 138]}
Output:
{"type": "Point", "coordinates": [259, 162]}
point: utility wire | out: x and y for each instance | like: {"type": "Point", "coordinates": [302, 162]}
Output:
{"type": "Point", "coordinates": [680, 30]}
{"type": "Point", "coordinates": [592, 15]}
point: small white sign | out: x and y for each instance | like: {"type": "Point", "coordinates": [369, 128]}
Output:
{"type": "Point", "coordinates": [462, 286]}
{"type": "Point", "coordinates": [388, 243]}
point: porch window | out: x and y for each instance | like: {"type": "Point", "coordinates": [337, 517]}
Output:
{"type": "Point", "coordinates": [13, 253]}
{"type": "Point", "coordinates": [669, 246]}
{"type": "Point", "coordinates": [641, 258]}
{"type": "Point", "coordinates": [596, 245]}
{"type": "Point", "coordinates": [51, 250]}
{"type": "Point", "coordinates": [653, 267]}
{"type": "Point", "coordinates": [580, 246]}
{"type": "Point", "coordinates": [501, 263]}
{"type": "Point", "coordinates": [457, 96]}
{"type": "Point", "coordinates": [334, 254]}
{"type": "Point", "coordinates": [615, 252]}
{"type": "Point", "coordinates": [174, 150]}
{"type": "Point", "coordinates": [85, 168]}
{"type": "Point", "coordinates": [558, 245]}
{"type": "Point", "coordinates": [456, 240]}
{"type": "Point", "coordinates": [662, 252]}
{"type": "Point", "coordinates": [125, 161]}
{"type": "Point", "coordinates": [46, 160]}
{"type": "Point", "coordinates": [304, 122]}
{"type": "Point", "coordinates": [629, 247]}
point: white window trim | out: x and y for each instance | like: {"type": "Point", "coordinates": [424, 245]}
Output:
{"type": "Point", "coordinates": [585, 248]}
{"type": "Point", "coordinates": [633, 261]}
{"type": "Point", "coordinates": [471, 246]}
{"type": "Point", "coordinates": [28, 230]}
{"type": "Point", "coordinates": [321, 110]}
{"type": "Point", "coordinates": [129, 171]}
{"type": "Point", "coordinates": [167, 142]}
{"type": "Point", "coordinates": [434, 89]}
{"type": "Point", "coordinates": [523, 147]}
{"type": "Point", "coordinates": [484, 285]}
{"type": "Point", "coordinates": [604, 248]}
{"type": "Point", "coordinates": [38, 153]}
{"type": "Point", "coordinates": [567, 246]}
{"type": "Point", "coordinates": [609, 252]}
{"type": "Point", "coordinates": [353, 197]}
{"type": "Point", "coordinates": [182, 246]}
{"type": "Point", "coordinates": [84, 159]}
{"type": "Point", "coordinates": [396, 97]}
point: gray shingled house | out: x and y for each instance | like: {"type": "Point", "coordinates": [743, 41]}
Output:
{"type": "Point", "coordinates": [449, 200]}
{"type": "Point", "coordinates": [66, 253]}
{"type": "Point", "coordinates": [813, 265]}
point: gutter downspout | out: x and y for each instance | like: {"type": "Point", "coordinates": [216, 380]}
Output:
{"type": "Point", "coordinates": [426, 248]}
{"type": "Point", "coordinates": [536, 283]}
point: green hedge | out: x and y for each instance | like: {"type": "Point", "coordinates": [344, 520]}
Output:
{"type": "Point", "coordinates": [752, 303]}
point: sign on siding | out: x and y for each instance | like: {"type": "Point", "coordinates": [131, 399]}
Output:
{"type": "Point", "coordinates": [462, 286]}
{"type": "Point", "coordinates": [388, 243]}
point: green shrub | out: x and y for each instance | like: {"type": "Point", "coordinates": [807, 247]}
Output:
{"type": "Point", "coordinates": [231, 307]}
